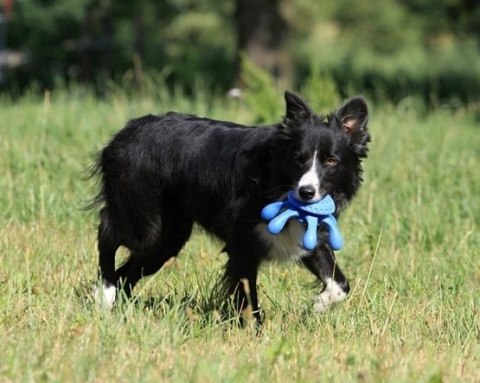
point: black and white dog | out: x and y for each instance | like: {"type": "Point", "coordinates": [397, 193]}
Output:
{"type": "Point", "coordinates": [161, 174]}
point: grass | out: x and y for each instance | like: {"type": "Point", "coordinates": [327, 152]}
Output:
{"type": "Point", "coordinates": [411, 255]}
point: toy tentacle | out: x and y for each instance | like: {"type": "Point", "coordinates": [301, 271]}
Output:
{"type": "Point", "coordinates": [271, 210]}
{"type": "Point", "coordinates": [334, 236]}
{"type": "Point", "coordinates": [310, 236]}
{"type": "Point", "coordinates": [276, 224]}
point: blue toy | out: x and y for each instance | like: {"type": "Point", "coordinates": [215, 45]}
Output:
{"type": "Point", "coordinates": [313, 214]}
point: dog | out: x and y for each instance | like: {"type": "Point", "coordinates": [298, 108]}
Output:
{"type": "Point", "coordinates": [161, 174]}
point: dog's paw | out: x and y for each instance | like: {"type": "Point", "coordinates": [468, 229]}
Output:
{"type": "Point", "coordinates": [320, 305]}
{"type": "Point", "coordinates": [104, 296]}
{"type": "Point", "coordinates": [333, 293]}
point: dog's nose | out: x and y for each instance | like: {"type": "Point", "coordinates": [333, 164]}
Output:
{"type": "Point", "coordinates": [306, 192]}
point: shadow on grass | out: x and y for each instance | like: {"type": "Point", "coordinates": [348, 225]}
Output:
{"type": "Point", "coordinates": [200, 311]}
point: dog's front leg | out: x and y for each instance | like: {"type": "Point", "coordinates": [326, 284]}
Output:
{"type": "Point", "coordinates": [321, 262]}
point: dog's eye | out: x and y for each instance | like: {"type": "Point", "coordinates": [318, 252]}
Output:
{"type": "Point", "coordinates": [330, 161]}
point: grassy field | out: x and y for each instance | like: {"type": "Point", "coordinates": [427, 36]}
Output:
{"type": "Point", "coordinates": [411, 255]}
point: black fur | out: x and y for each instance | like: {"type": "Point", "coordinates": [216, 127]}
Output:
{"type": "Point", "coordinates": [160, 174]}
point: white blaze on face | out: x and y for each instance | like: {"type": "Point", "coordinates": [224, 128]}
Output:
{"type": "Point", "coordinates": [310, 178]}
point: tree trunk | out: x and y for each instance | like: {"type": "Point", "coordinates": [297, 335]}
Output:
{"type": "Point", "coordinates": [262, 34]}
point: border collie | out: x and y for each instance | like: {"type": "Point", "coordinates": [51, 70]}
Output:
{"type": "Point", "coordinates": [162, 174]}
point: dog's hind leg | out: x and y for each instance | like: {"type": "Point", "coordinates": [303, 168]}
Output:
{"type": "Point", "coordinates": [323, 265]}
{"type": "Point", "coordinates": [107, 247]}
{"type": "Point", "coordinates": [240, 279]}
{"type": "Point", "coordinates": [241, 284]}
{"type": "Point", "coordinates": [174, 234]}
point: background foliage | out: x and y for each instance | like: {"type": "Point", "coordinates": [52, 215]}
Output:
{"type": "Point", "coordinates": [389, 49]}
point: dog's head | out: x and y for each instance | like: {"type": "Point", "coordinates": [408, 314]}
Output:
{"type": "Point", "coordinates": [324, 152]}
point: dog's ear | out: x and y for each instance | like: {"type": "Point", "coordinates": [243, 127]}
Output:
{"type": "Point", "coordinates": [297, 110]}
{"type": "Point", "coordinates": [352, 116]}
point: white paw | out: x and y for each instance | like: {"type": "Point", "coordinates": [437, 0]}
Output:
{"type": "Point", "coordinates": [321, 304]}
{"type": "Point", "coordinates": [105, 296]}
{"type": "Point", "coordinates": [333, 293]}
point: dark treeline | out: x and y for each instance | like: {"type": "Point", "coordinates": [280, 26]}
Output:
{"type": "Point", "coordinates": [390, 48]}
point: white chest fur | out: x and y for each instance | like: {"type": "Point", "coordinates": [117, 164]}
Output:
{"type": "Point", "coordinates": [286, 245]}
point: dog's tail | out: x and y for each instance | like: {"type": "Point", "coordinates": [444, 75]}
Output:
{"type": "Point", "coordinates": [95, 170]}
